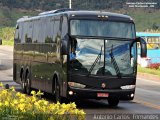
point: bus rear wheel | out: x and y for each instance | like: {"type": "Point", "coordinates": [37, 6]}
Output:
{"type": "Point", "coordinates": [113, 102]}
{"type": "Point", "coordinates": [28, 85]}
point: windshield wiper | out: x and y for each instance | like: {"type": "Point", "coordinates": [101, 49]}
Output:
{"type": "Point", "coordinates": [113, 61]}
{"type": "Point", "coordinates": [95, 62]}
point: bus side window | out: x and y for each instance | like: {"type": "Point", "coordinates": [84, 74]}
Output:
{"type": "Point", "coordinates": [64, 27]}
{"type": "Point", "coordinates": [56, 28]}
{"type": "Point", "coordinates": [20, 31]}
{"type": "Point", "coordinates": [49, 31]}
{"type": "Point", "coordinates": [73, 46]}
{"type": "Point", "coordinates": [16, 36]}
{"type": "Point", "coordinates": [43, 30]}
{"type": "Point", "coordinates": [36, 31]}
{"type": "Point", "coordinates": [24, 32]}
{"type": "Point", "coordinates": [29, 37]}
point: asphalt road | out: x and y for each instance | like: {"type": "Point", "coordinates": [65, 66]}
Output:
{"type": "Point", "coordinates": [6, 65]}
{"type": "Point", "coordinates": [147, 98]}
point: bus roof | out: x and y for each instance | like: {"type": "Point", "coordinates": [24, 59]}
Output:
{"type": "Point", "coordinates": [79, 13]}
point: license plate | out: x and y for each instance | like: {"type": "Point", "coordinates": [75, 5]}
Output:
{"type": "Point", "coordinates": [102, 94]}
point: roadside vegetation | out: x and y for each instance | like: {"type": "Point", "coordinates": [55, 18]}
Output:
{"type": "Point", "coordinates": [15, 105]}
{"type": "Point", "coordinates": [152, 69]}
{"type": "Point", "coordinates": [7, 35]}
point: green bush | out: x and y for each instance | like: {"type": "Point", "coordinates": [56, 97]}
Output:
{"type": "Point", "coordinates": [7, 35]}
{"type": "Point", "coordinates": [149, 71]}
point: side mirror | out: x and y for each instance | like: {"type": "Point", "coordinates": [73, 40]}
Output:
{"type": "Point", "coordinates": [143, 46]}
{"type": "Point", "coordinates": [64, 45]}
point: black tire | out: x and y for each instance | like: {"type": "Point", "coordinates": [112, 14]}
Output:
{"type": "Point", "coordinates": [58, 97]}
{"type": "Point", "coordinates": [113, 102]}
{"type": "Point", "coordinates": [23, 83]}
{"type": "Point", "coordinates": [57, 93]}
{"type": "Point", "coordinates": [28, 84]}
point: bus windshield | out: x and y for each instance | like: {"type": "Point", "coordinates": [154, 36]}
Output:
{"type": "Point", "coordinates": [102, 28]}
{"type": "Point", "coordinates": [103, 57]}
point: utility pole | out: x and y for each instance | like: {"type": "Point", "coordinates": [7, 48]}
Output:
{"type": "Point", "coordinates": [70, 4]}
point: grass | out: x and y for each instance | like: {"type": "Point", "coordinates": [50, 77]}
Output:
{"type": "Point", "coordinates": [7, 35]}
{"type": "Point", "coordinates": [9, 42]}
{"type": "Point", "coordinates": [149, 71]}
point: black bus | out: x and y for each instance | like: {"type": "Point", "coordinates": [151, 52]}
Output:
{"type": "Point", "coordinates": [77, 54]}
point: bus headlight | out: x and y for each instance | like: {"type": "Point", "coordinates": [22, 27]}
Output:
{"type": "Point", "coordinates": [128, 87]}
{"type": "Point", "coordinates": [77, 85]}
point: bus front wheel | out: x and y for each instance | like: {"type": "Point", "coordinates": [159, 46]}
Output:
{"type": "Point", "coordinates": [23, 83]}
{"type": "Point", "coordinates": [57, 91]}
{"type": "Point", "coordinates": [113, 102]}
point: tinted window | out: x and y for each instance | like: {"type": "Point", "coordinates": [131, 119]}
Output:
{"type": "Point", "coordinates": [43, 29]}
{"type": "Point", "coordinates": [29, 31]}
{"type": "Point", "coordinates": [36, 31]}
{"type": "Point", "coordinates": [16, 36]}
{"type": "Point", "coordinates": [20, 31]}
{"type": "Point", "coordinates": [102, 28]}
{"type": "Point", "coordinates": [24, 32]}
{"type": "Point", "coordinates": [39, 30]}
{"type": "Point", "coordinates": [64, 26]}
{"type": "Point", "coordinates": [49, 30]}
{"type": "Point", "coordinates": [56, 28]}
{"type": "Point", "coordinates": [26, 29]}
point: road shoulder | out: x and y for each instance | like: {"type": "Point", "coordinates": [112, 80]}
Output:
{"type": "Point", "coordinates": [6, 47]}
{"type": "Point", "coordinates": [148, 76]}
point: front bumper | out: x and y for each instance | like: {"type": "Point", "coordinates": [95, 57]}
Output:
{"type": "Point", "coordinates": [92, 93]}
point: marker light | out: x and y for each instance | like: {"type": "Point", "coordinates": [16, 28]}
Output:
{"type": "Point", "coordinates": [102, 16]}
{"type": "Point", "coordinates": [128, 87]}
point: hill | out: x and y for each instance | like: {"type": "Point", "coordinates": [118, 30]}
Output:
{"type": "Point", "coordinates": [145, 18]}
{"type": "Point", "coordinates": [9, 17]}
{"type": "Point", "coordinates": [78, 4]}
